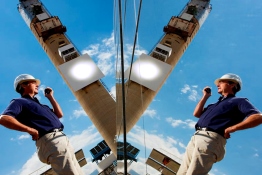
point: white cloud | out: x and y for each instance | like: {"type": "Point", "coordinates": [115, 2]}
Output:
{"type": "Point", "coordinates": [113, 91]}
{"type": "Point", "coordinates": [193, 95]}
{"type": "Point", "coordinates": [25, 136]}
{"type": "Point", "coordinates": [160, 142]}
{"type": "Point", "coordinates": [41, 88]}
{"type": "Point", "coordinates": [109, 41]}
{"type": "Point", "coordinates": [91, 50]}
{"type": "Point", "coordinates": [86, 137]}
{"type": "Point", "coordinates": [105, 65]}
{"type": "Point", "coordinates": [175, 123]}
{"type": "Point", "coordinates": [105, 51]}
{"type": "Point", "coordinates": [150, 112]}
{"type": "Point", "coordinates": [89, 167]}
{"type": "Point", "coordinates": [140, 167]}
{"type": "Point", "coordinates": [185, 88]}
{"type": "Point", "coordinates": [129, 50]}
{"type": "Point", "coordinates": [187, 123]}
{"type": "Point", "coordinates": [78, 113]}
{"type": "Point", "coordinates": [41, 92]}
{"type": "Point", "coordinates": [21, 137]}
{"type": "Point", "coordinates": [31, 166]}
{"type": "Point", "coordinates": [137, 135]}
{"type": "Point", "coordinates": [190, 123]}
{"type": "Point", "coordinates": [38, 97]}
{"type": "Point", "coordinates": [216, 172]}
{"type": "Point", "coordinates": [182, 145]}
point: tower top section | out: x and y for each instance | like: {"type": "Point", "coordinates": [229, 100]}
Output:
{"type": "Point", "coordinates": [198, 9]}
{"type": "Point", "coordinates": [29, 9]}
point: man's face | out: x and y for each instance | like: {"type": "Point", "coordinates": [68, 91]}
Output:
{"type": "Point", "coordinates": [30, 87]}
{"type": "Point", "coordinates": [225, 86]}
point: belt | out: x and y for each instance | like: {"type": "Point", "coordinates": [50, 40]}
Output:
{"type": "Point", "coordinates": [209, 129]}
{"type": "Point", "coordinates": [52, 130]}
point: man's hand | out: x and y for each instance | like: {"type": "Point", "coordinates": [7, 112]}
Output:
{"type": "Point", "coordinates": [200, 106]}
{"type": "Point", "coordinates": [48, 92]}
{"type": "Point", "coordinates": [207, 91]}
{"type": "Point", "coordinates": [34, 133]}
{"type": "Point", "coordinates": [229, 130]}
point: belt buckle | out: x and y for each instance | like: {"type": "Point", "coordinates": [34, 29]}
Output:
{"type": "Point", "coordinates": [56, 130]}
{"type": "Point", "coordinates": [204, 129]}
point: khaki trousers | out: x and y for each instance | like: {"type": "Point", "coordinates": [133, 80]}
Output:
{"type": "Point", "coordinates": [54, 149]}
{"type": "Point", "coordinates": [204, 149]}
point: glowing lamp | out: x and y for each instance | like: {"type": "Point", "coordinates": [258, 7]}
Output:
{"type": "Point", "coordinates": [148, 71]}
{"type": "Point", "coordinates": [80, 72]}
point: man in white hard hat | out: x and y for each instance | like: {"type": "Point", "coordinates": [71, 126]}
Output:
{"type": "Point", "coordinates": [216, 122]}
{"type": "Point", "coordinates": [26, 114]}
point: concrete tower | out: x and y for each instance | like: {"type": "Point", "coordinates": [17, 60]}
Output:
{"type": "Point", "coordinates": [144, 83]}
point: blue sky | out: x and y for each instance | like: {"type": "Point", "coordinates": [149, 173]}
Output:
{"type": "Point", "coordinates": [229, 41]}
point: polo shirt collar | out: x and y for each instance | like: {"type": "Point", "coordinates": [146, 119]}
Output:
{"type": "Point", "coordinates": [224, 97]}
{"type": "Point", "coordinates": [29, 97]}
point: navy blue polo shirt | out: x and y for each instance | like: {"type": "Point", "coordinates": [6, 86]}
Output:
{"type": "Point", "coordinates": [30, 112]}
{"type": "Point", "coordinates": [226, 112]}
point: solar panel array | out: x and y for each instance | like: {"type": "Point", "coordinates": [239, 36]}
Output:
{"type": "Point", "coordinates": [132, 151]}
{"type": "Point", "coordinates": [100, 151]}
{"type": "Point", "coordinates": [163, 163]}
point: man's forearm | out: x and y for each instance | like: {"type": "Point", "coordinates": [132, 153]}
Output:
{"type": "Point", "coordinates": [12, 123]}
{"type": "Point", "coordinates": [252, 121]}
{"type": "Point", "coordinates": [56, 107]}
{"type": "Point", "coordinates": [200, 106]}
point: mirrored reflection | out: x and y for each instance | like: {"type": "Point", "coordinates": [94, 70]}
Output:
{"type": "Point", "coordinates": [142, 81]}
{"type": "Point", "coordinates": [175, 56]}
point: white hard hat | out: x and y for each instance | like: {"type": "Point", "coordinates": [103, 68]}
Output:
{"type": "Point", "coordinates": [231, 77]}
{"type": "Point", "coordinates": [23, 78]}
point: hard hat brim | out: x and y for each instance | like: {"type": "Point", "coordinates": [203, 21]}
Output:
{"type": "Point", "coordinates": [36, 80]}
{"type": "Point", "coordinates": [217, 80]}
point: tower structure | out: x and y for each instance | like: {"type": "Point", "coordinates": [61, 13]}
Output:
{"type": "Point", "coordinates": [149, 73]}
{"type": "Point", "coordinates": [88, 88]}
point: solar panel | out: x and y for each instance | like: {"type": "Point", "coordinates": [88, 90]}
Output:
{"type": "Point", "coordinates": [164, 162]}
{"type": "Point", "coordinates": [82, 162]}
{"type": "Point", "coordinates": [129, 148]}
{"type": "Point", "coordinates": [158, 167]}
{"type": "Point", "coordinates": [79, 154]}
{"type": "Point", "coordinates": [120, 145]}
{"type": "Point", "coordinates": [93, 151]}
{"type": "Point", "coordinates": [135, 151]}
{"type": "Point", "coordinates": [98, 149]}
{"type": "Point", "coordinates": [102, 145]}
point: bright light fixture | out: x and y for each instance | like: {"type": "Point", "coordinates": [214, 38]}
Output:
{"type": "Point", "coordinates": [80, 72]}
{"type": "Point", "coordinates": [148, 71]}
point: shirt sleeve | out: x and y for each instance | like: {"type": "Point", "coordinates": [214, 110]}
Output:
{"type": "Point", "coordinates": [247, 108]}
{"type": "Point", "coordinates": [13, 109]}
